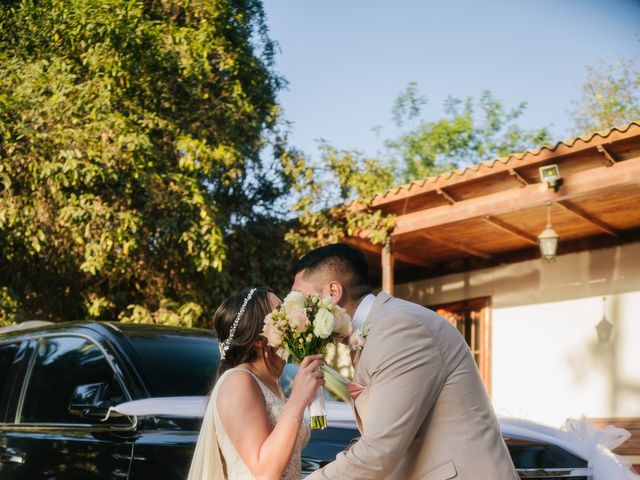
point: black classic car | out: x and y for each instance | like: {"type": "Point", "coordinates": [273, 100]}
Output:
{"type": "Point", "coordinates": [57, 382]}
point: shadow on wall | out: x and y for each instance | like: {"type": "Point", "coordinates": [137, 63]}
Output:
{"type": "Point", "coordinates": [609, 354]}
{"type": "Point", "coordinates": [607, 357]}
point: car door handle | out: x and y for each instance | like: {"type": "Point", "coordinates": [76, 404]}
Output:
{"type": "Point", "coordinates": [11, 456]}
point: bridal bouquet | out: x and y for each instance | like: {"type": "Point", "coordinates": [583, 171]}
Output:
{"type": "Point", "coordinates": [305, 325]}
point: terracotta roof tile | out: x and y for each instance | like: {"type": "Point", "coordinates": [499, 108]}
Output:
{"type": "Point", "coordinates": [513, 158]}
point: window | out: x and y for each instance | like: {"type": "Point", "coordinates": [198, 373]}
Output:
{"type": "Point", "coordinates": [473, 321]}
{"type": "Point", "coordinates": [61, 365]}
{"type": "Point", "coordinates": [7, 357]}
{"type": "Point", "coordinates": [178, 364]}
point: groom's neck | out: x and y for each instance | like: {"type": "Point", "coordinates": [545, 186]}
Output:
{"type": "Point", "coordinates": [352, 305]}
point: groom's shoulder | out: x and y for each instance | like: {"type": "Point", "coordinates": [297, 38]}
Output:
{"type": "Point", "coordinates": [409, 311]}
{"type": "Point", "coordinates": [404, 307]}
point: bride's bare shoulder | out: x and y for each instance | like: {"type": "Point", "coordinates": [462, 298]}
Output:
{"type": "Point", "coordinates": [242, 411]}
{"type": "Point", "coordinates": [238, 389]}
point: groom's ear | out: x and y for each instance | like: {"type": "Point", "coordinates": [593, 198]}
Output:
{"type": "Point", "coordinates": [336, 292]}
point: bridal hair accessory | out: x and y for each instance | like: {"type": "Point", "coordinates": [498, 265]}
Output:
{"type": "Point", "coordinates": [224, 346]}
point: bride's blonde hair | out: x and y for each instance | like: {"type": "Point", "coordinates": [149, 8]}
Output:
{"type": "Point", "coordinates": [243, 346]}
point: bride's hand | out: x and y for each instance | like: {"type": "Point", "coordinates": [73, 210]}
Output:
{"type": "Point", "coordinates": [309, 378]}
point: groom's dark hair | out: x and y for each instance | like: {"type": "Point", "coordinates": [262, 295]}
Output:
{"type": "Point", "coordinates": [341, 261]}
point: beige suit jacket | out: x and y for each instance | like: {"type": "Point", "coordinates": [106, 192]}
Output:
{"type": "Point", "coordinates": [424, 413]}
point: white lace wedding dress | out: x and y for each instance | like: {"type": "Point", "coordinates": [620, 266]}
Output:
{"type": "Point", "coordinates": [213, 440]}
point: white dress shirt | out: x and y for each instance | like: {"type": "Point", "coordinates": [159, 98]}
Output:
{"type": "Point", "coordinates": [363, 310]}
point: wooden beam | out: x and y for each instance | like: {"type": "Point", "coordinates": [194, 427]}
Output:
{"type": "Point", "coordinates": [517, 199]}
{"type": "Point", "coordinates": [387, 268]}
{"type": "Point", "coordinates": [609, 160]}
{"type": "Point", "coordinates": [456, 245]}
{"type": "Point", "coordinates": [496, 222]}
{"type": "Point", "coordinates": [365, 245]}
{"type": "Point", "coordinates": [589, 218]}
{"type": "Point", "coordinates": [446, 196]}
{"type": "Point", "coordinates": [518, 177]}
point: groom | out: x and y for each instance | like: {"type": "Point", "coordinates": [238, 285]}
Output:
{"type": "Point", "coordinates": [423, 412]}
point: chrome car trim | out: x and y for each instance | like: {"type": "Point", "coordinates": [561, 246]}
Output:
{"type": "Point", "coordinates": [27, 375]}
{"type": "Point", "coordinates": [537, 473]}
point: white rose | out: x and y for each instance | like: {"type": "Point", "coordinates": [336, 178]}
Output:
{"type": "Point", "coordinates": [325, 302]}
{"type": "Point", "coordinates": [293, 300]}
{"type": "Point", "coordinates": [343, 321]}
{"type": "Point", "coordinates": [323, 323]}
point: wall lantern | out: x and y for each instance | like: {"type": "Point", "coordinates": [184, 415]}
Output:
{"type": "Point", "coordinates": [548, 240]}
{"type": "Point", "coordinates": [604, 328]}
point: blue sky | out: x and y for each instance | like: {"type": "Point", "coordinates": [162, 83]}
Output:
{"type": "Point", "coordinates": [347, 60]}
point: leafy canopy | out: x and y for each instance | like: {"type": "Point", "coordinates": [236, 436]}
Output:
{"type": "Point", "coordinates": [471, 131]}
{"type": "Point", "coordinates": [333, 198]}
{"type": "Point", "coordinates": [133, 155]}
{"type": "Point", "coordinates": [610, 96]}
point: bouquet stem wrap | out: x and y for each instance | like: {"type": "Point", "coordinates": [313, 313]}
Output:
{"type": "Point", "coordinates": [318, 411]}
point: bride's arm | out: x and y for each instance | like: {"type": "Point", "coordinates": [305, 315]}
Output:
{"type": "Point", "coordinates": [265, 451]}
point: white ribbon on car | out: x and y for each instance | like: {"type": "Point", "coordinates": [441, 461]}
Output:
{"type": "Point", "coordinates": [582, 438]}
{"type": "Point", "coordinates": [597, 444]}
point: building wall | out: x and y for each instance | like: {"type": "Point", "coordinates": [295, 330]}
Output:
{"type": "Point", "coordinates": [547, 362]}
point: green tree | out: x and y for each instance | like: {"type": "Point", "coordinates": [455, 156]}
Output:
{"type": "Point", "coordinates": [139, 149]}
{"type": "Point", "coordinates": [471, 131]}
{"type": "Point", "coordinates": [610, 97]}
{"type": "Point", "coordinates": [333, 198]}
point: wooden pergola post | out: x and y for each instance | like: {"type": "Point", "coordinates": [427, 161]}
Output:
{"type": "Point", "coordinates": [387, 268]}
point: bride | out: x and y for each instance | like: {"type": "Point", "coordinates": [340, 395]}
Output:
{"type": "Point", "coordinates": [249, 429]}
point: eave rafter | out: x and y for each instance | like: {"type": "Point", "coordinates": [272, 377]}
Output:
{"type": "Point", "coordinates": [455, 245]}
{"type": "Point", "coordinates": [446, 196]}
{"type": "Point", "coordinates": [609, 160]}
{"type": "Point", "coordinates": [506, 227]}
{"type": "Point", "coordinates": [377, 249]}
{"type": "Point", "coordinates": [608, 229]}
{"type": "Point", "coordinates": [518, 177]}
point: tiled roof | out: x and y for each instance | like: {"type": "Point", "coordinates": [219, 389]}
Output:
{"type": "Point", "coordinates": [480, 169]}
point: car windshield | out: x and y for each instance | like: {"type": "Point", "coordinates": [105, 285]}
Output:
{"type": "Point", "coordinates": [184, 363]}
{"type": "Point", "coordinates": [177, 363]}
